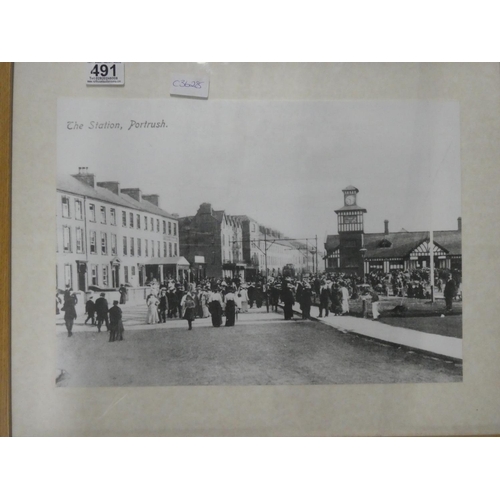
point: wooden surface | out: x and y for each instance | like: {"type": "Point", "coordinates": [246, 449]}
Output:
{"type": "Point", "coordinates": [6, 74]}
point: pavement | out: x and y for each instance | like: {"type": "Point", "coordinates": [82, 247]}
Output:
{"type": "Point", "coordinates": [427, 342]}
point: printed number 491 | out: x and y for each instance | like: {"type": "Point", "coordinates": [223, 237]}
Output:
{"type": "Point", "coordinates": [103, 70]}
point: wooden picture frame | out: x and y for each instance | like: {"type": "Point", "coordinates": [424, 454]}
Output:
{"type": "Point", "coordinates": [413, 410]}
{"type": "Point", "coordinates": [6, 93]}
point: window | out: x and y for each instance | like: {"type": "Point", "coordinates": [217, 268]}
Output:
{"type": "Point", "coordinates": [175, 249]}
{"type": "Point", "coordinates": [112, 212]}
{"type": "Point", "coordinates": [105, 274]}
{"type": "Point", "coordinates": [132, 247]}
{"type": "Point", "coordinates": [125, 272]}
{"type": "Point", "coordinates": [124, 245]}
{"type": "Point", "coordinates": [92, 212]}
{"type": "Point", "coordinates": [133, 270]}
{"type": "Point", "coordinates": [170, 249]}
{"type": "Point", "coordinates": [157, 225]}
{"type": "Point", "coordinates": [175, 228]}
{"type": "Point", "coordinates": [93, 244]}
{"type": "Point", "coordinates": [65, 207]}
{"type": "Point", "coordinates": [145, 223]}
{"type": "Point", "coordinates": [164, 227]}
{"type": "Point", "coordinates": [124, 219]}
{"type": "Point", "coordinates": [113, 244]}
{"type": "Point", "coordinates": [152, 224]}
{"type": "Point", "coordinates": [66, 239]}
{"type": "Point", "coordinates": [164, 249]}
{"type": "Point", "coordinates": [131, 218]}
{"type": "Point", "coordinates": [223, 239]}
{"type": "Point", "coordinates": [169, 228]}
{"type": "Point", "coordinates": [68, 281]}
{"type": "Point", "coordinates": [138, 221]}
{"type": "Point", "coordinates": [104, 244]}
{"type": "Point", "coordinates": [159, 254]}
{"type": "Point", "coordinates": [78, 210]}
{"type": "Point", "coordinates": [146, 247]}
{"type": "Point", "coordinates": [152, 248]}
{"type": "Point", "coordinates": [93, 274]}
{"type": "Point", "coordinates": [79, 240]}
{"type": "Point", "coordinates": [103, 215]}
{"type": "Point", "coordinates": [139, 250]}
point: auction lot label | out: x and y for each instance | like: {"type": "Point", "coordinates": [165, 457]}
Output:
{"type": "Point", "coordinates": [105, 73]}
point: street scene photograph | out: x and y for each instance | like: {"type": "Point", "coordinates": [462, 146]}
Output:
{"type": "Point", "coordinates": [215, 242]}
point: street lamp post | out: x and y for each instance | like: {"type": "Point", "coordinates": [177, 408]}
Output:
{"type": "Point", "coordinates": [363, 256]}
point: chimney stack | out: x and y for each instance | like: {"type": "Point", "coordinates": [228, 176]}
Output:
{"type": "Point", "coordinates": [84, 176]}
{"type": "Point", "coordinates": [152, 198]}
{"type": "Point", "coordinates": [133, 193]}
{"type": "Point", "coordinates": [112, 186]}
{"type": "Point", "coordinates": [460, 224]}
{"type": "Point", "coordinates": [386, 227]}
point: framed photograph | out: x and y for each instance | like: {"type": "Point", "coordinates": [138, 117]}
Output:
{"type": "Point", "coordinates": [233, 256]}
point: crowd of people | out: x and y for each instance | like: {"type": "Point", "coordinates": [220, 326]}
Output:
{"type": "Point", "coordinates": [226, 297]}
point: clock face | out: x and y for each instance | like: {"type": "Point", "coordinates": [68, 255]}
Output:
{"type": "Point", "coordinates": [350, 199]}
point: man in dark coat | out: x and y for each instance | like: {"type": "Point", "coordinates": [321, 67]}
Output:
{"type": "Point", "coordinates": [90, 310]}
{"type": "Point", "coordinates": [101, 309]}
{"type": "Point", "coordinates": [288, 302]}
{"type": "Point", "coordinates": [450, 290]}
{"type": "Point", "coordinates": [324, 299]}
{"type": "Point", "coordinates": [115, 323]}
{"type": "Point", "coordinates": [70, 312]}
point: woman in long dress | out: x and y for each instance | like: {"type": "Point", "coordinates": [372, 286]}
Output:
{"type": "Point", "coordinates": [244, 299]}
{"type": "Point", "coordinates": [152, 303]}
{"type": "Point", "coordinates": [215, 307]}
{"type": "Point", "coordinates": [230, 300]}
{"type": "Point", "coordinates": [188, 309]}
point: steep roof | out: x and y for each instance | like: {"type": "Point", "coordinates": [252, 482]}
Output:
{"type": "Point", "coordinates": [402, 243]}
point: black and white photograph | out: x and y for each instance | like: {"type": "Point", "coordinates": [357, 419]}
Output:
{"type": "Point", "coordinates": [251, 242]}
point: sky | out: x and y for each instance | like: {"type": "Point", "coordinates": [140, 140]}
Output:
{"type": "Point", "coordinates": [283, 163]}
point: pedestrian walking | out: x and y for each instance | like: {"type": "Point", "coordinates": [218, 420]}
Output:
{"type": "Point", "coordinates": [288, 301]}
{"type": "Point", "coordinates": [230, 301]}
{"type": "Point", "coordinates": [345, 298]}
{"type": "Point", "coordinates": [123, 294]}
{"type": "Point", "coordinates": [152, 315]}
{"type": "Point", "coordinates": [101, 309]}
{"type": "Point", "coordinates": [188, 309]}
{"type": "Point", "coordinates": [305, 301]}
{"type": "Point", "coordinates": [115, 323]}
{"type": "Point", "coordinates": [90, 310]}
{"type": "Point", "coordinates": [375, 303]}
{"type": "Point", "coordinates": [244, 298]}
{"type": "Point", "coordinates": [450, 291]}
{"type": "Point", "coordinates": [324, 299]}
{"type": "Point", "coordinates": [215, 307]}
{"type": "Point", "coordinates": [163, 307]}
{"type": "Point", "coordinates": [69, 311]}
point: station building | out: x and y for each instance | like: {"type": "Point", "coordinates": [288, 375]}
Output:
{"type": "Point", "coordinates": [354, 251]}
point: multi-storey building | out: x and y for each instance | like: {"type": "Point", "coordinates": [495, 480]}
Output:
{"type": "Point", "coordinates": [107, 236]}
{"type": "Point", "coordinates": [212, 240]}
{"type": "Point", "coordinates": [220, 244]}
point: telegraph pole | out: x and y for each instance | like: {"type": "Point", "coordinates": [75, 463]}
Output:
{"type": "Point", "coordinates": [265, 260]}
{"type": "Point", "coordinates": [317, 272]}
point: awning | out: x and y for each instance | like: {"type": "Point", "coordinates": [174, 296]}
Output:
{"type": "Point", "coordinates": [167, 261]}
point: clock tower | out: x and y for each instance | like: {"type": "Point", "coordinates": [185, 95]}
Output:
{"type": "Point", "coordinates": [350, 224]}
